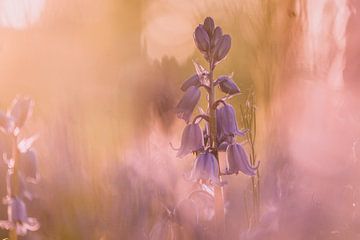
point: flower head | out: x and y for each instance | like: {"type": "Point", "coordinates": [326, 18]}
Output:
{"type": "Point", "coordinates": [186, 106]}
{"type": "Point", "coordinates": [18, 219]}
{"type": "Point", "coordinates": [205, 168]}
{"type": "Point", "coordinates": [238, 160]}
{"type": "Point", "coordinates": [192, 140]}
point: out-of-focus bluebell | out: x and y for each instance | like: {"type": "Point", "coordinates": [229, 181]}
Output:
{"type": "Point", "coordinates": [20, 110]}
{"type": "Point", "coordinates": [18, 219]}
{"type": "Point", "coordinates": [162, 230]}
{"type": "Point", "coordinates": [194, 80]}
{"type": "Point", "coordinates": [192, 140]}
{"type": "Point", "coordinates": [222, 48]}
{"type": "Point", "coordinates": [186, 106]}
{"type": "Point", "coordinates": [206, 168]}
{"type": "Point", "coordinates": [201, 38]}
{"type": "Point", "coordinates": [238, 160]}
{"type": "Point", "coordinates": [227, 85]}
{"type": "Point", "coordinates": [209, 26]}
{"type": "Point", "coordinates": [186, 213]}
{"type": "Point", "coordinates": [28, 165]}
{"type": "Point", "coordinates": [226, 122]}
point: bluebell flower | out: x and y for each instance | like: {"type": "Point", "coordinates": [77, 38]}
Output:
{"type": "Point", "coordinates": [18, 219]}
{"type": "Point", "coordinates": [192, 140]}
{"type": "Point", "coordinates": [226, 122]}
{"type": "Point", "coordinates": [238, 160]}
{"type": "Point", "coordinates": [206, 168]}
{"type": "Point", "coordinates": [187, 104]}
{"type": "Point", "coordinates": [194, 80]}
{"type": "Point", "coordinates": [227, 85]}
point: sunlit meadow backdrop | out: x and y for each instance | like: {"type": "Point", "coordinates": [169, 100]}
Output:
{"type": "Point", "coordinates": [104, 76]}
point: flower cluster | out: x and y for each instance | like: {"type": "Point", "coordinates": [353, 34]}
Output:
{"type": "Point", "coordinates": [22, 167]}
{"type": "Point", "coordinates": [221, 127]}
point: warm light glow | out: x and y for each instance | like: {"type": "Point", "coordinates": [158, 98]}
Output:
{"type": "Point", "coordinates": [20, 14]}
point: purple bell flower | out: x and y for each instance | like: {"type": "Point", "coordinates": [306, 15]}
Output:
{"type": "Point", "coordinates": [192, 140]}
{"type": "Point", "coordinates": [18, 219]}
{"type": "Point", "coordinates": [186, 106]}
{"type": "Point", "coordinates": [227, 85]}
{"type": "Point", "coordinates": [238, 160]}
{"type": "Point", "coordinates": [206, 168]}
{"type": "Point", "coordinates": [226, 122]}
{"type": "Point", "coordinates": [194, 80]}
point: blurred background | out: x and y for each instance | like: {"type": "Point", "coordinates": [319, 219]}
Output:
{"type": "Point", "coordinates": [105, 76]}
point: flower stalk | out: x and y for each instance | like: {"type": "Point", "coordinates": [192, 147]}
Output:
{"type": "Point", "coordinates": [221, 128]}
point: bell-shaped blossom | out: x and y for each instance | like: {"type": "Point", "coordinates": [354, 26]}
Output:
{"type": "Point", "coordinates": [192, 140]}
{"type": "Point", "coordinates": [186, 106]}
{"type": "Point", "coordinates": [206, 168]}
{"type": "Point", "coordinates": [18, 219]}
{"type": "Point", "coordinates": [194, 80]}
{"type": "Point", "coordinates": [201, 38]}
{"type": "Point", "coordinates": [28, 165]}
{"type": "Point", "coordinates": [238, 160]}
{"type": "Point", "coordinates": [20, 110]}
{"type": "Point", "coordinates": [227, 85]}
{"type": "Point", "coordinates": [226, 122]}
{"type": "Point", "coordinates": [209, 26]}
{"type": "Point", "coordinates": [222, 48]}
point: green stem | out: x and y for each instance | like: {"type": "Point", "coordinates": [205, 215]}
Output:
{"type": "Point", "coordinates": [218, 191]}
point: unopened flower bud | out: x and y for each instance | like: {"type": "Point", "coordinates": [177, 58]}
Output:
{"type": "Point", "coordinates": [201, 38]}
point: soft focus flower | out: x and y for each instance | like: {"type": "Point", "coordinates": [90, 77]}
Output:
{"type": "Point", "coordinates": [20, 110]}
{"type": "Point", "coordinates": [205, 168]}
{"type": "Point", "coordinates": [188, 102]}
{"type": "Point", "coordinates": [222, 48]}
{"type": "Point", "coordinates": [226, 122]}
{"type": "Point", "coordinates": [191, 141]}
{"type": "Point", "coordinates": [238, 160]}
{"type": "Point", "coordinates": [28, 165]}
{"type": "Point", "coordinates": [194, 80]}
{"type": "Point", "coordinates": [201, 38]}
{"type": "Point", "coordinates": [18, 219]}
{"type": "Point", "coordinates": [227, 85]}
